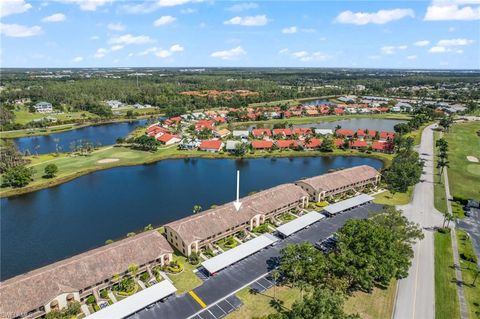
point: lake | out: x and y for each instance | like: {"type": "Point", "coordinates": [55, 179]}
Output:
{"type": "Point", "coordinates": [350, 124]}
{"type": "Point", "coordinates": [104, 134]}
{"type": "Point", "coordinates": [51, 224]}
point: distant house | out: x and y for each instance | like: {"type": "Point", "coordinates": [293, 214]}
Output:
{"type": "Point", "coordinates": [43, 107]}
{"type": "Point", "coordinates": [323, 131]}
{"type": "Point", "coordinates": [204, 125]}
{"type": "Point", "coordinates": [168, 139]}
{"type": "Point", "coordinates": [313, 144]}
{"type": "Point", "coordinates": [261, 132]}
{"type": "Point", "coordinates": [262, 145]}
{"type": "Point", "coordinates": [139, 106]}
{"type": "Point", "coordinates": [284, 144]}
{"type": "Point", "coordinates": [344, 133]}
{"type": "Point", "coordinates": [221, 133]}
{"type": "Point", "coordinates": [347, 99]}
{"type": "Point", "coordinates": [211, 145]}
{"type": "Point", "coordinates": [302, 131]}
{"type": "Point", "coordinates": [241, 134]}
{"type": "Point", "coordinates": [231, 146]}
{"type": "Point", "coordinates": [384, 147]}
{"type": "Point", "coordinates": [358, 144]}
{"type": "Point", "coordinates": [282, 132]}
{"type": "Point", "coordinates": [387, 136]}
{"type": "Point", "coordinates": [361, 134]}
{"type": "Point", "coordinates": [189, 144]}
{"type": "Point", "coordinates": [114, 104]}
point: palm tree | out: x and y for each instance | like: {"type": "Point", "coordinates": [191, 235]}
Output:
{"type": "Point", "coordinates": [275, 276]}
{"type": "Point", "coordinates": [447, 218]}
{"type": "Point", "coordinates": [133, 269]}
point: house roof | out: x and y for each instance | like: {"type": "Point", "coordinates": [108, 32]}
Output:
{"type": "Point", "coordinates": [358, 143]}
{"type": "Point", "coordinates": [261, 131]}
{"type": "Point", "coordinates": [262, 144]}
{"type": "Point", "coordinates": [165, 137]}
{"type": "Point", "coordinates": [387, 135]}
{"type": "Point", "coordinates": [282, 131]}
{"type": "Point", "coordinates": [36, 288]}
{"type": "Point", "coordinates": [343, 132]}
{"type": "Point", "coordinates": [341, 178]}
{"type": "Point", "coordinates": [217, 220]}
{"type": "Point", "coordinates": [211, 144]}
{"type": "Point", "coordinates": [314, 143]}
{"type": "Point", "coordinates": [286, 143]}
{"type": "Point", "coordinates": [382, 146]}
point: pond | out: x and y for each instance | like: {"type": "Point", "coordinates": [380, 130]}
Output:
{"type": "Point", "coordinates": [350, 124]}
{"type": "Point", "coordinates": [101, 135]}
{"type": "Point", "coordinates": [51, 224]}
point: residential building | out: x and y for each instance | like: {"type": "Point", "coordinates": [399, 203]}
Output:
{"type": "Point", "coordinates": [221, 133]}
{"type": "Point", "coordinates": [331, 184]}
{"type": "Point", "coordinates": [114, 104]}
{"type": "Point", "coordinates": [192, 233]}
{"type": "Point", "coordinates": [262, 145]}
{"type": "Point", "coordinates": [261, 132]}
{"type": "Point", "coordinates": [284, 144]}
{"type": "Point", "coordinates": [323, 131]}
{"type": "Point", "coordinates": [211, 145]}
{"type": "Point", "coordinates": [231, 146]}
{"type": "Point", "coordinates": [43, 107]}
{"type": "Point", "coordinates": [37, 292]}
{"type": "Point", "coordinates": [168, 139]}
{"type": "Point", "coordinates": [241, 134]}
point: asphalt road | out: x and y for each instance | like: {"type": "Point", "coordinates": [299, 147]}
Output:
{"type": "Point", "coordinates": [416, 293]}
{"type": "Point", "coordinates": [241, 274]}
{"type": "Point", "coordinates": [472, 226]}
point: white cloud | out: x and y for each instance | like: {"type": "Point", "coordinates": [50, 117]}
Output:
{"type": "Point", "coordinates": [116, 47]}
{"type": "Point", "coordinates": [173, 3]}
{"type": "Point", "coordinates": [379, 17]}
{"type": "Point", "coordinates": [163, 53]}
{"type": "Point", "coordinates": [249, 21]}
{"type": "Point", "coordinates": [88, 5]}
{"type": "Point", "coordinates": [231, 54]}
{"type": "Point", "coordinates": [455, 42]}
{"type": "Point", "coordinates": [442, 10]}
{"type": "Point", "coordinates": [402, 47]}
{"type": "Point", "coordinates": [100, 53]}
{"type": "Point", "coordinates": [290, 30]}
{"type": "Point", "coordinates": [19, 31]}
{"type": "Point", "coordinates": [305, 56]}
{"type": "Point", "coordinates": [388, 50]}
{"type": "Point", "coordinates": [150, 6]}
{"type": "Point", "coordinates": [57, 17]}
{"type": "Point", "coordinates": [421, 43]}
{"type": "Point", "coordinates": [164, 20]}
{"type": "Point", "coordinates": [130, 39]}
{"type": "Point", "coordinates": [242, 6]}
{"type": "Point", "coordinates": [116, 27]}
{"type": "Point", "coordinates": [187, 11]}
{"type": "Point", "coordinates": [94, 37]}
{"type": "Point", "coordinates": [8, 7]}
{"type": "Point", "coordinates": [77, 59]}
{"type": "Point", "coordinates": [452, 29]}
{"type": "Point", "coordinates": [437, 49]}
{"type": "Point", "coordinates": [411, 57]}
{"type": "Point", "coordinates": [283, 51]}
{"type": "Point", "coordinates": [177, 48]}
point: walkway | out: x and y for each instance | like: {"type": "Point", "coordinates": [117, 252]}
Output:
{"type": "Point", "coordinates": [416, 293]}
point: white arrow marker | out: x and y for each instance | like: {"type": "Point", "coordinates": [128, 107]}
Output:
{"type": "Point", "coordinates": [237, 203]}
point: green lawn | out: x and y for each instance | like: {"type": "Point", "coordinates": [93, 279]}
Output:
{"type": "Point", "coordinates": [387, 198]}
{"type": "Point", "coordinates": [462, 174]}
{"type": "Point", "coordinates": [378, 304]}
{"type": "Point", "coordinates": [472, 293]}
{"type": "Point", "coordinates": [24, 117]}
{"type": "Point", "coordinates": [258, 305]}
{"type": "Point", "coordinates": [186, 280]}
{"type": "Point", "coordinates": [446, 297]}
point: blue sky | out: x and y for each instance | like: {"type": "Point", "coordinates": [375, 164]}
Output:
{"type": "Point", "coordinates": [170, 33]}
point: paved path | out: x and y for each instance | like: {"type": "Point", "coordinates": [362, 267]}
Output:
{"type": "Point", "coordinates": [456, 258]}
{"type": "Point", "coordinates": [416, 293]}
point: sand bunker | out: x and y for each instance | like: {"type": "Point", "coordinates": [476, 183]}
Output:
{"type": "Point", "coordinates": [108, 160]}
{"type": "Point", "coordinates": [472, 159]}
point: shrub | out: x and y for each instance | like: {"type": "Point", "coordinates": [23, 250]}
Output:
{"type": "Point", "coordinates": [444, 230]}
{"type": "Point", "coordinates": [230, 242]}
{"type": "Point", "coordinates": [131, 234]}
{"type": "Point", "coordinates": [90, 300]}
{"type": "Point", "coordinates": [175, 267]}
{"type": "Point", "coordinates": [322, 204]}
{"type": "Point", "coordinates": [468, 256]}
{"type": "Point", "coordinates": [108, 241]}
{"type": "Point", "coordinates": [18, 176]}
{"type": "Point", "coordinates": [261, 229]}
{"type": "Point", "coordinates": [144, 276]}
{"type": "Point", "coordinates": [104, 293]}
{"type": "Point", "coordinates": [461, 200]}
{"type": "Point", "coordinates": [51, 170]}
{"type": "Point", "coordinates": [193, 258]}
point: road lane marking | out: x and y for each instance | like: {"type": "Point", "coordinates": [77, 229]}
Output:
{"type": "Point", "coordinates": [197, 299]}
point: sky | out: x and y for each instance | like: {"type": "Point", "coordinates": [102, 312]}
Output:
{"type": "Point", "coordinates": [434, 34]}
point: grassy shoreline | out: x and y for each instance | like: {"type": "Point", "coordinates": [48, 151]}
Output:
{"type": "Point", "coordinates": [64, 127]}
{"type": "Point", "coordinates": [73, 167]}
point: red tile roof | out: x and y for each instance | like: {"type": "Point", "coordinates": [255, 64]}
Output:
{"type": "Point", "coordinates": [204, 124]}
{"type": "Point", "coordinates": [314, 143]}
{"type": "Point", "coordinates": [165, 137]}
{"type": "Point", "coordinates": [260, 132]}
{"type": "Point", "coordinates": [286, 143]}
{"type": "Point", "coordinates": [360, 132]}
{"type": "Point", "coordinates": [372, 133]}
{"type": "Point", "coordinates": [338, 142]}
{"type": "Point", "coordinates": [262, 144]}
{"type": "Point", "coordinates": [358, 144]}
{"type": "Point", "coordinates": [211, 145]}
{"type": "Point", "coordinates": [342, 132]}
{"type": "Point", "coordinates": [282, 131]}
{"type": "Point", "coordinates": [382, 146]}
{"type": "Point", "coordinates": [302, 131]}
{"type": "Point", "coordinates": [387, 135]}
{"type": "Point", "coordinates": [339, 111]}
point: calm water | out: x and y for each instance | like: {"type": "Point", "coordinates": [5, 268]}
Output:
{"type": "Point", "coordinates": [105, 134]}
{"type": "Point", "coordinates": [351, 124]}
{"type": "Point", "coordinates": [318, 102]}
{"type": "Point", "coordinates": [43, 227]}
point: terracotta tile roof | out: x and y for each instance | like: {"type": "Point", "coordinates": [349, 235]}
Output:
{"type": "Point", "coordinates": [342, 132]}
{"type": "Point", "coordinates": [339, 111]}
{"type": "Point", "coordinates": [286, 143]}
{"type": "Point", "coordinates": [360, 132]}
{"type": "Point", "coordinates": [372, 133]}
{"type": "Point", "coordinates": [217, 220]}
{"type": "Point", "coordinates": [165, 137]}
{"type": "Point", "coordinates": [259, 132]}
{"type": "Point", "coordinates": [358, 144]}
{"type": "Point", "coordinates": [346, 177]}
{"type": "Point", "coordinates": [382, 146]}
{"type": "Point", "coordinates": [211, 145]}
{"type": "Point", "coordinates": [387, 135]}
{"type": "Point", "coordinates": [314, 143]}
{"type": "Point", "coordinates": [338, 142]}
{"type": "Point", "coordinates": [36, 288]}
{"type": "Point", "coordinates": [282, 131]}
{"type": "Point", "coordinates": [262, 144]}
{"type": "Point", "coordinates": [302, 131]}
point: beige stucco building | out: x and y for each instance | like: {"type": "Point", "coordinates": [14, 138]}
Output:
{"type": "Point", "coordinates": [35, 293]}
{"type": "Point", "coordinates": [194, 232]}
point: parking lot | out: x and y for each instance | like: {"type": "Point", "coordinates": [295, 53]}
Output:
{"type": "Point", "coordinates": [472, 226]}
{"type": "Point", "coordinates": [220, 309]}
{"type": "Point", "coordinates": [249, 270]}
